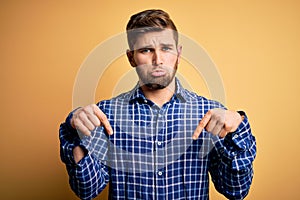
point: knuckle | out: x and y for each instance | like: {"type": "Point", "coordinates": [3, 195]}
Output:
{"type": "Point", "coordinates": [76, 121]}
{"type": "Point", "coordinates": [221, 123]}
{"type": "Point", "coordinates": [81, 115]}
{"type": "Point", "coordinates": [218, 118]}
{"type": "Point", "coordinates": [228, 127]}
{"type": "Point", "coordinates": [100, 117]}
{"type": "Point", "coordinates": [103, 117]}
{"type": "Point", "coordinates": [86, 109]}
{"type": "Point", "coordinates": [95, 108]}
{"type": "Point", "coordinates": [223, 120]}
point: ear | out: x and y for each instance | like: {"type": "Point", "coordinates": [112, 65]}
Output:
{"type": "Point", "coordinates": [179, 51]}
{"type": "Point", "coordinates": [130, 58]}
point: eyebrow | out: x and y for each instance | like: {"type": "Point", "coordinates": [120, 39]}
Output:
{"type": "Point", "coordinates": [161, 44]}
{"type": "Point", "coordinates": [168, 45]}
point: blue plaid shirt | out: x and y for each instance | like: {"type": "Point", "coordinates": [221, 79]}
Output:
{"type": "Point", "coordinates": [151, 154]}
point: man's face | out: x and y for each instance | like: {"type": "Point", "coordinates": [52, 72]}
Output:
{"type": "Point", "coordinates": [156, 57]}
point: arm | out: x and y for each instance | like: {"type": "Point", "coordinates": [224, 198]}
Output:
{"type": "Point", "coordinates": [87, 176]}
{"type": "Point", "coordinates": [234, 151]}
{"type": "Point", "coordinates": [231, 162]}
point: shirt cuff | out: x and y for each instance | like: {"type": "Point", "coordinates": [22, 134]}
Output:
{"type": "Point", "coordinates": [240, 137]}
{"type": "Point", "coordinates": [69, 139]}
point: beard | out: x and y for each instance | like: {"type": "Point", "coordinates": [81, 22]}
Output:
{"type": "Point", "coordinates": [156, 83]}
{"type": "Point", "coordinates": [155, 86]}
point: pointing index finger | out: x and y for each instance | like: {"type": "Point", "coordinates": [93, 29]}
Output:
{"type": "Point", "coordinates": [202, 124]}
{"type": "Point", "coordinates": [103, 120]}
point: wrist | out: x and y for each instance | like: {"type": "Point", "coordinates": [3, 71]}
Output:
{"type": "Point", "coordinates": [78, 153]}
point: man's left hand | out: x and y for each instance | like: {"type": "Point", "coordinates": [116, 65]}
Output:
{"type": "Point", "coordinates": [219, 122]}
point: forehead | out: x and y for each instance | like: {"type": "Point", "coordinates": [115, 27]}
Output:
{"type": "Point", "coordinates": [155, 38]}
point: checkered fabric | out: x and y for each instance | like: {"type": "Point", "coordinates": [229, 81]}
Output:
{"type": "Point", "coordinates": [151, 154]}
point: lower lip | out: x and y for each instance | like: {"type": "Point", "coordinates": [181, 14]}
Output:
{"type": "Point", "coordinates": [158, 73]}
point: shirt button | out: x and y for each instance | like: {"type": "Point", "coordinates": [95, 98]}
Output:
{"type": "Point", "coordinates": [158, 143]}
{"type": "Point", "coordinates": [160, 173]}
{"type": "Point", "coordinates": [235, 136]}
{"type": "Point", "coordinates": [145, 101]}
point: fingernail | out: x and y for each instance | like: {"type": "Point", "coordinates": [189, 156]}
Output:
{"type": "Point", "coordinates": [194, 137]}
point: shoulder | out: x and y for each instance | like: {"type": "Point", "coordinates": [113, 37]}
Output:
{"type": "Point", "coordinates": [202, 101]}
{"type": "Point", "coordinates": [119, 100]}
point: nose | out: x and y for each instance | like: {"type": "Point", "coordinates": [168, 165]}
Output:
{"type": "Point", "coordinates": [157, 58]}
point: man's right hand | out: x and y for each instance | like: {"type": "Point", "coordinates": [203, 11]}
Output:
{"type": "Point", "coordinates": [88, 118]}
{"type": "Point", "coordinates": [85, 120]}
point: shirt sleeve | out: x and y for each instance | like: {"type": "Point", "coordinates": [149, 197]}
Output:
{"type": "Point", "coordinates": [231, 166]}
{"type": "Point", "coordinates": [88, 177]}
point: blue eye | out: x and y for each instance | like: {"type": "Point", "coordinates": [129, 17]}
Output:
{"type": "Point", "coordinates": [145, 50]}
{"type": "Point", "coordinates": [166, 48]}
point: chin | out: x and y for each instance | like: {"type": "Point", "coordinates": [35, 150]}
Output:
{"type": "Point", "coordinates": [155, 86]}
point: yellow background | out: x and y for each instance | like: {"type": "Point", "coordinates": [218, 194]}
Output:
{"type": "Point", "coordinates": [255, 45]}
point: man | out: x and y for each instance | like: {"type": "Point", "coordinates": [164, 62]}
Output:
{"type": "Point", "coordinates": [158, 141]}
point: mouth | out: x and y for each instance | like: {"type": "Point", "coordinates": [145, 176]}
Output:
{"type": "Point", "coordinates": [158, 73]}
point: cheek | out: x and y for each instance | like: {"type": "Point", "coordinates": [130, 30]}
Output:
{"type": "Point", "coordinates": [141, 71]}
{"type": "Point", "coordinates": [141, 59]}
{"type": "Point", "coordinates": [171, 60]}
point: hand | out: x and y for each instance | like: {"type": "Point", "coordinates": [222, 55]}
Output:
{"type": "Point", "coordinates": [88, 118]}
{"type": "Point", "coordinates": [218, 122]}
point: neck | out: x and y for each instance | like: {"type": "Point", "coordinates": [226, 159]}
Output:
{"type": "Point", "coordinates": [160, 96]}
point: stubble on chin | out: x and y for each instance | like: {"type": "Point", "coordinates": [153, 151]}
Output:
{"type": "Point", "coordinates": [153, 86]}
{"type": "Point", "coordinates": [157, 83]}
